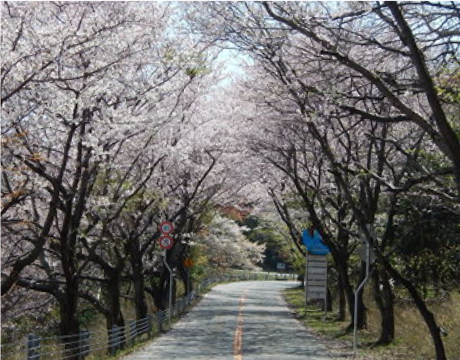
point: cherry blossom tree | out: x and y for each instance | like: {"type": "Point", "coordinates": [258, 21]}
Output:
{"type": "Point", "coordinates": [110, 88]}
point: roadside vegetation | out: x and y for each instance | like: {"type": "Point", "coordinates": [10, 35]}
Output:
{"type": "Point", "coordinates": [413, 340]}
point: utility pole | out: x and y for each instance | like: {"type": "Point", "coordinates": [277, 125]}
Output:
{"type": "Point", "coordinates": [171, 279]}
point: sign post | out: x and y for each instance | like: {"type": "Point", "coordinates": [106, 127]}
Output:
{"type": "Point", "coordinates": [315, 268]}
{"type": "Point", "coordinates": [171, 279]}
{"type": "Point", "coordinates": [166, 242]}
{"type": "Point", "coordinates": [316, 278]}
{"type": "Point", "coordinates": [305, 280]}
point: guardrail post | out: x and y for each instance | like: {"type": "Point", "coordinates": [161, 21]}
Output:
{"type": "Point", "coordinates": [120, 335]}
{"type": "Point", "coordinates": [133, 331]}
{"type": "Point", "coordinates": [114, 340]}
{"type": "Point", "coordinates": [33, 344]}
{"type": "Point", "coordinates": [110, 341]}
{"type": "Point", "coordinates": [83, 345]}
{"type": "Point", "coordinates": [167, 316]}
{"type": "Point", "coordinates": [160, 316]}
{"type": "Point", "coordinates": [155, 324]}
{"type": "Point", "coordinates": [149, 329]}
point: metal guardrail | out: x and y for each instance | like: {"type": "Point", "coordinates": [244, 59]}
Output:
{"type": "Point", "coordinates": [99, 344]}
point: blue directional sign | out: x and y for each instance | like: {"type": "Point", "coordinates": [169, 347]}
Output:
{"type": "Point", "coordinates": [314, 244]}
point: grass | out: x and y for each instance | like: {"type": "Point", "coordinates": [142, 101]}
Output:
{"type": "Point", "coordinates": [412, 338]}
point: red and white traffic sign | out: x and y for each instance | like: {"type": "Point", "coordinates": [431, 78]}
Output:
{"type": "Point", "coordinates": [165, 242]}
{"type": "Point", "coordinates": [166, 227]}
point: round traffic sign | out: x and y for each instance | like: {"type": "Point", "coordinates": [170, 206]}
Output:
{"type": "Point", "coordinates": [165, 242]}
{"type": "Point", "coordinates": [166, 227]}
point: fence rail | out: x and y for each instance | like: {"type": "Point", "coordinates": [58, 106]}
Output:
{"type": "Point", "coordinates": [98, 344]}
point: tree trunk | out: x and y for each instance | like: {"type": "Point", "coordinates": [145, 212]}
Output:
{"type": "Point", "coordinates": [342, 302]}
{"type": "Point", "coordinates": [350, 299]}
{"type": "Point", "coordinates": [362, 310]}
{"type": "Point", "coordinates": [385, 303]}
{"type": "Point", "coordinates": [161, 291]}
{"type": "Point", "coordinates": [329, 299]}
{"type": "Point", "coordinates": [423, 309]}
{"type": "Point", "coordinates": [139, 297]}
{"type": "Point", "coordinates": [114, 316]}
{"type": "Point", "coordinates": [138, 281]}
{"type": "Point", "coordinates": [184, 273]}
{"type": "Point", "coordinates": [69, 325]}
{"type": "Point", "coordinates": [342, 270]}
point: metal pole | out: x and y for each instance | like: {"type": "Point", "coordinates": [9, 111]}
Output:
{"type": "Point", "coordinates": [325, 297]}
{"type": "Point", "coordinates": [355, 315]}
{"type": "Point", "coordinates": [170, 286]}
{"type": "Point", "coordinates": [306, 281]}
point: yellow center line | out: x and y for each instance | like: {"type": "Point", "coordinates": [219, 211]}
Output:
{"type": "Point", "coordinates": [238, 339]}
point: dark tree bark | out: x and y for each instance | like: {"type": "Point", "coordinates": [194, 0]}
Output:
{"type": "Point", "coordinates": [362, 309]}
{"type": "Point", "coordinates": [421, 306]}
{"type": "Point", "coordinates": [184, 274]}
{"type": "Point", "coordinates": [342, 301]}
{"type": "Point", "coordinates": [69, 325]}
{"type": "Point", "coordinates": [114, 315]}
{"type": "Point", "coordinates": [341, 263]}
{"type": "Point", "coordinates": [159, 294]}
{"type": "Point", "coordinates": [329, 299]}
{"type": "Point", "coordinates": [138, 280]}
{"type": "Point", "coordinates": [385, 302]}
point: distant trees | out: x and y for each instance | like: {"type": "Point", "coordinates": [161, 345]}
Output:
{"type": "Point", "coordinates": [226, 245]}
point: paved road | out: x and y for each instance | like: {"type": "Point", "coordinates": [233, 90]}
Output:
{"type": "Point", "coordinates": [243, 320]}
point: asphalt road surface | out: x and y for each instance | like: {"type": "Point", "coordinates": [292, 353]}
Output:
{"type": "Point", "coordinates": [242, 320]}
